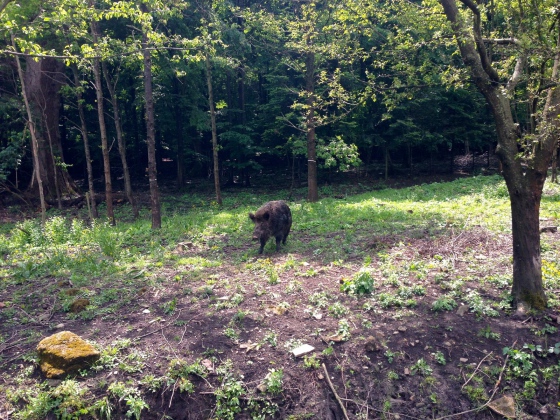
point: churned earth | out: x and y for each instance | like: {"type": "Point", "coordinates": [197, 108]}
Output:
{"type": "Point", "coordinates": [409, 323]}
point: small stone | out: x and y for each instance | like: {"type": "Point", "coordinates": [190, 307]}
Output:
{"type": "Point", "coordinates": [402, 329]}
{"type": "Point", "coordinates": [373, 344]}
{"type": "Point", "coordinates": [463, 360]}
{"type": "Point", "coordinates": [406, 371]}
{"type": "Point", "coordinates": [59, 326]}
{"type": "Point", "coordinates": [447, 344]}
{"type": "Point", "coordinates": [146, 311]}
{"type": "Point", "coordinates": [504, 406]}
{"type": "Point", "coordinates": [301, 350]}
{"type": "Point", "coordinates": [462, 310]}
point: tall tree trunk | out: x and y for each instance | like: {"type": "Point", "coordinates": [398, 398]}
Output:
{"type": "Point", "coordinates": [214, 132]}
{"type": "Point", "coordinates": [84, 132]}
{"type": "Point", "coordinates": [524, 183]}
{"type": "Point", "coordinates": [151, 134]}
{"type": "Point", "coordinates": [312, 190]}
{"type": "Point", "coordinates": [180, 151]}
{"type": "Point", "coordinates": [120, 142]}
{"type": "Point", "coordinates": [34, 143]}
{"type": "Point", "coordinates": [103, 129]}
{"type": "Point", "coordinates": [43, 80]}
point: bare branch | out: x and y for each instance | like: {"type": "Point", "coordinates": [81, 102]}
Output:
{"type": "Point", "coordinates": [481, 48]}
{"type": "Point", "coordinates": [517, 73]}
{"type": "Point", "coordinates": [502, 41]}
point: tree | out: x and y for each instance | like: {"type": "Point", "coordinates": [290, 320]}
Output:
{"type": "Point", "coordinates": [34, 142]}
{"type": "Point", "coordinates": [319, 50]}
{"type": "Point", "coordinates": [150, 125]}
{"type": "Point", "coordinates": [44, 76]}
{"type": "Point", "coordinates": [525, 153]}
{"type": "Point", "coordinates": [102, 125]}
{"type": "Point", "coordinates": [211, 105]}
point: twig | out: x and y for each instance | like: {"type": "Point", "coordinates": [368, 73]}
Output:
{"type": "Point", "coordinates": [160, 329]}
{"type": "Point", "coordinates": [476, 369]}
{"type": "Point", "coordinates": [173, 392]}
{"type": "Point", "coordinates": [334, 392]}
{"type": "Point", "coordinates": [368, 407]}
{"type": "Point", "coordinates": [489, 399]}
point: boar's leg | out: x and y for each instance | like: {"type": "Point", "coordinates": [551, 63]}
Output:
{"type": "Point", "coordinates": [278, 239]}
{"type": "Point", "coordinates": [263, 243]}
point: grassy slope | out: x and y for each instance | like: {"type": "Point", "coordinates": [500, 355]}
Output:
{"type": "Point", "coordinates": [402, 238]}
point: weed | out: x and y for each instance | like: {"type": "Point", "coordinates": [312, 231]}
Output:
{"type": "Point", "coordinates": [338, 310]}
{"type": "Point", "coordinates": [475, 393]}
{"type": "Point", "coordinates": [478, 305]}
{"type": "Point", "coordinates": [444, 303]}
{"type": "Point", "coordinates": [362, 283]}
{"type": "Point", "coordinates": [311, 362]}
{"type": "Point", "coordinates": [169, 307]}
{"type": "Point", "coordinates": [231, 333]}
{"type": "Point", "coordinates": [392, 376]}
{"type": "Point", "coordinates": [421, 367]}
{"type": "Point", "coordinates": [271, 338]}
{"type": "Point", "coordinates": [320, 299]}
{"type": "Point", "coordinates": [344, 329]}
{"type": "Point", "coordinates": [439, 357]}
{"type": "Point", "coordinates": [228, 394]}
{"type": "Point", "coordinates": [131, 396]}
{"type": "Point", "coordinates": [328, 351]}
{"type": "Point", "coordinates": [520, 363]}
{"type": "Point", "coordinates": [152, 383]}
{"type": "Point", "coordinates": [274, 381]}
{"type": "Point", "coordinates": [486, 332]}
{"type": "Point", "coordinates": [390, 355]}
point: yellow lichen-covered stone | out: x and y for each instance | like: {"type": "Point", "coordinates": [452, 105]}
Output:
{"type": "Point", "coordinates": [64, 353]}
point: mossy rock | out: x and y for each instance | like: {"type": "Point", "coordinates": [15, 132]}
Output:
{"type": "Point", "coordinates": [64, 353]}
{"type": "Point", "coordinates": [72, 292]}
{"type": "Point", "coordinates": [79, 305]}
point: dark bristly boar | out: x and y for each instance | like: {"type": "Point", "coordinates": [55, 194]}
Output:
{"type": "Point", "coordinates": [273, 219]}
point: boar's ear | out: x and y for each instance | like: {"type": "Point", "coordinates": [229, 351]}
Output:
{"type": "Point", "coordinates": [266, 216]}
{"type": "Point", "coordinates": [252, 216]}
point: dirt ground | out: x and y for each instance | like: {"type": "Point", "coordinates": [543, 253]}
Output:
{"type": "Point", "coordinates": [374, 369]}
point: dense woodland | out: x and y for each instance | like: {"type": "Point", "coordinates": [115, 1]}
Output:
{"type": "Point", "coordinates": [371, 104]}
{"type": "Point", "coordinates": [103, 95]}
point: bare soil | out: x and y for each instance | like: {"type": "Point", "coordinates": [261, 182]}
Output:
{"type": "Point", "coordinates": [358, 366]}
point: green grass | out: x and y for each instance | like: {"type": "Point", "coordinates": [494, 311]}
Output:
{"type": "Point", "coordinates": [203, 259]}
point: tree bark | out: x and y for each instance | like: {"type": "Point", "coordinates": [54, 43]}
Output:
{"type": "Point", "coordinates": [120, 141]}
{"type": "Point", "coordinates": [85, 138]}
{"type": "Point", "coordinates": [525, 184]}
{"type": "Point", "coordinates": [34, 143]}
{"type": "Point", "coordinates": [214, 132]}
{"type": "Point", "coordinates": [151, 134]}
{"type": "Point", "coordinates": [103, 129]}
{"type": "Point", "coordinates": [43, 80]}
{"type": "Point", "coordinates": [312, 190]}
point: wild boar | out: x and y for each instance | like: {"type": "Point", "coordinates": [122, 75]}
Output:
{"type": "Point", "coordinates": [273, 219]}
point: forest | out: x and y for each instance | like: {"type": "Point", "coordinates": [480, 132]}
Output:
{"type": "Point", "coordinates": [137, 136]}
